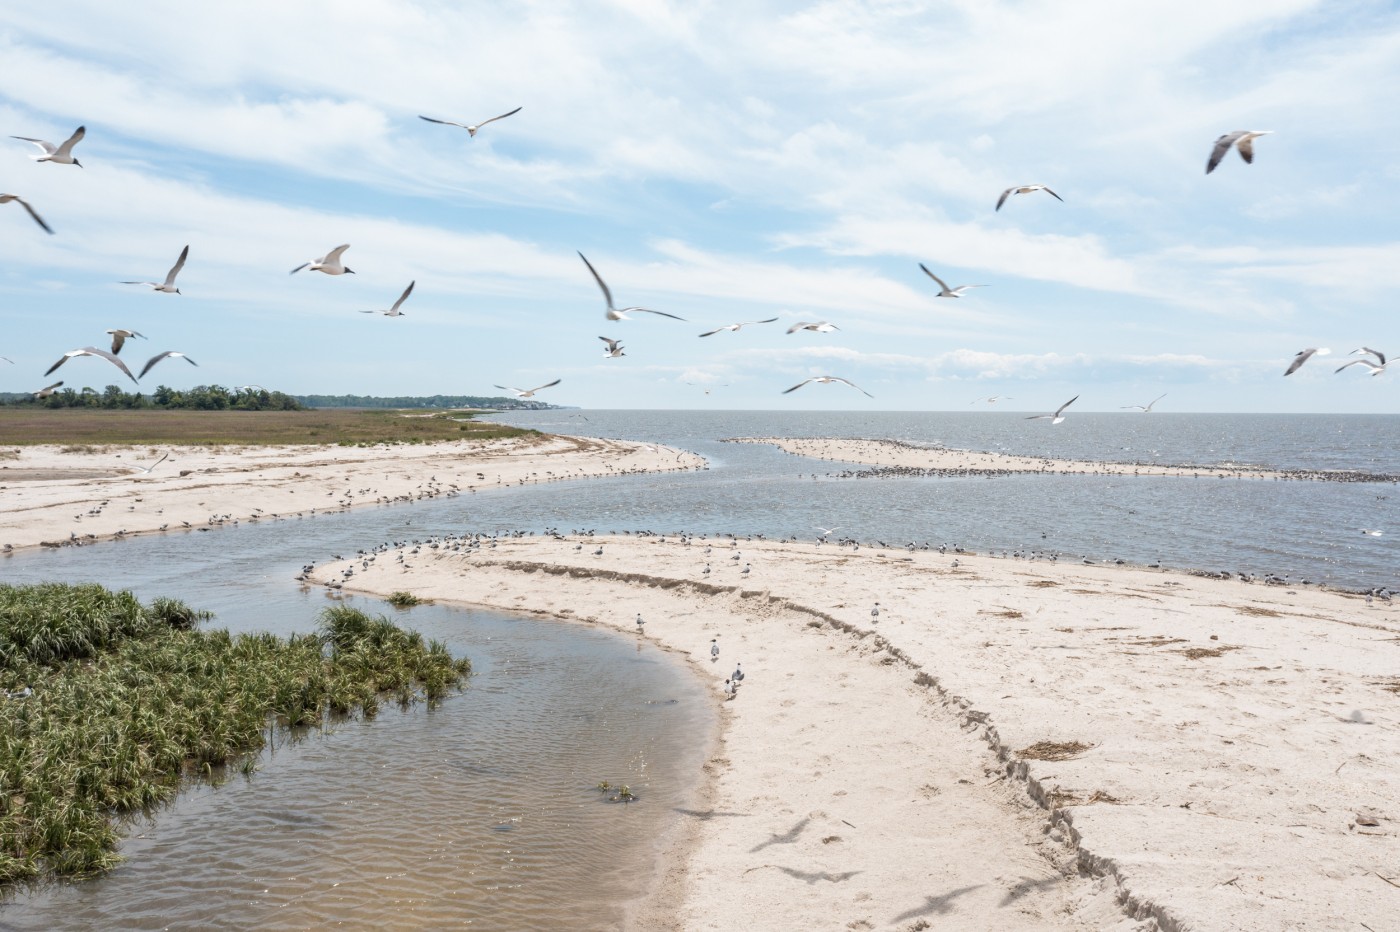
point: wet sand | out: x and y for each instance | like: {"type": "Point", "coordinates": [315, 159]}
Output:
{"type": "Point", "coordinates": [1008, 745]}
{"type": "Point", "coordinates": [892, 457]}
{"type": "Point", "coordinates": [57, 498]}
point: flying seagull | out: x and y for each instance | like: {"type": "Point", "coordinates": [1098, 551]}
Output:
{"type": "Point", "coordinates": [8, 360]}
{"type": "Point", "coordinates": [529, 392]}
{"type": "Point", "coordinates": [1025, 189]}
{"type": "Point", "coordinates": [735, 328]}
{"type": "Point", "coordinates": [1059, 414]}
{"type": "Point", "coordinates": [471, 128]}
{"type": "Point", "coordinates": [159, 356]}
{"type": "Point", "coordinates": [147, 469]}
{"type": "Point", "coordinates": [613, 348]}
{"type": "Point", "coordinates": [168, 286]}
{"type": "Point", "coordinates": [48, 390]}
{"type": "Point", "coordinates": [948, 292]}
{"type": "Point", "coordinates": [92, 351]}
{"type": "Point", "coordinates": [991, 400]}
{"type": "Point", "coordinates": [1376, 368]}
{"type": "Point", "coordinates": [394, 311]}
{"type": "Point", "coordinates": [61, 155]}
{"type": "Point", "coordinates": [1303, 356]}
{"type": "Point", "coordinates": [825, 380]}
{"type": "Point", "coordinates": [820, 326]}
{"type": "Point", "coordinates": [119, 338]}
{"type": "Point", "coordinates": [1241, 139]}
{"type": "Point", "coordinates": [827, 531]}
{"type": "Point", "coordinates": [6, 198]}
{"type": "Point", "coordinates": [613, 313]}
{"type": "Point", "coordinates": [1148, 408]}
{"type": "Point", "coordinates": [329, 263]}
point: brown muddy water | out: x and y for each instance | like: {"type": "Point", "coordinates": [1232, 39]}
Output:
{"type": "Point", "coordinates": [481, 813]}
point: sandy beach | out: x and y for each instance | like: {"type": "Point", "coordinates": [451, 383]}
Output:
{"type": "Point", "coordinates": [903, 458]}
{"type": "Point", "coordinates": [63, 496]}
{"type": "Point", "coordinates": [1008, 745]}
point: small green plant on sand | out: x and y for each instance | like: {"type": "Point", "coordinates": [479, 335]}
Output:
{"type": "Point", "coordinates": [402, 599]}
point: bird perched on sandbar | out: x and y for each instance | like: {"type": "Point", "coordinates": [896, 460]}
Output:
{"type": "Point", "coordinates": [1241, 139]}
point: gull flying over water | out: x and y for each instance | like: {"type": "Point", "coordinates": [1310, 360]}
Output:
{"type": "Point", "coordinates": [826, 380]}
{"type": "Point", "coordinates": [7, 198]}
{"type": "Point", "coordinates": [92, 351]}
{"type": "Point", "coordinates": [991, 400]}
{"type": "Point", "coordinates": [471, 128]}
{"type": "Point", "coordinates": [820, 326]}
{"type": "Point", "coordinates": [947, 292]}
{"type": "Point", "coordinates": [1025, 189]}
{"type": "Point", "coordinates": [119, 338]}
{"type": "Point", "coordinates": [1059, 414]}
{"type": "Point", "coordinates": [613, 348]}
{"type": "Point", "coordinates": [1148, 407]}
{"type": "Point", "coordinates": [1241, 139]}
{"type": "Point", "coordinates": [159, 356]}
{"type": "Point", "coordinates": [614, 313]}
{"type": "Point", "coordinates": [59, 155]}
{"type": "Point", "coordinates": [1303, 356]}
{"type": "Point", "coordinates": [528, 392]}
{"type": "Point", "coordinates": [329, 263]}
{"type": "Point", "coordinates": [394, 311]}
{"type": "Point", "coordinates": [1376, 367]}
{"type": "Point", "coordinates": [168, 286]}
{"type": "Point", "coordinates": [735, 328]}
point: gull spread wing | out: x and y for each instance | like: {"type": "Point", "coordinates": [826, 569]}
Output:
{"type": "Point", "coordinates": [403, 297]}
{"type": "Point", "coordinates": [1222, 145]}
{"type": "Point", "coordinates": [1004, 195]}
{"type": "Point", "coordinates": [607, 295]}
{"type": "Point", "coordinates": [443, 122]}
{"type": "Point", "coordinates": [335, 254]}
{"type": "Point", "coordinates": [45, 146]}
{"type": "Point", "coordinates": [67, 148]}
{"type": "Point", "coordinates": [32, 212]}
{"type": "Point", "coordinates": [1360, 362]}
{"type": "Point", "coordinates": [159, 356]}
{"type": "Point", "coordinates": [1061, 409]}
{"type": "Point", "coordinates": [941, 283]}
{"type": "Point", "coordinates": [501, 117]}
{"type": "Point", "coordinates": [1052, 193]}
{"type": "Point", "coordinates": [1301, 357]}
{"type": "Point", "coordinates": [92, 351]}
{"type": "Point", "coordinates": [179, 264]}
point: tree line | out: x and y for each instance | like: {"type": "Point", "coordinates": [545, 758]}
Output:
{"type": "Point", "coordinates": [420, 401]}
{"type": "Point", "coordinates": [199, 398]}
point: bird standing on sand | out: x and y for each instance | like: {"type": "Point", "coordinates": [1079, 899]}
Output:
{"type": "Point", "coordinates": [7, 198]}
{"type": "Point", "coordinates": [714, 650]}
{"type": "Point", "coordinates": [59, 155]}
{"type": "Point", "coordinates": [329, 263]}
{"type": "Point", "coordinates": [640, 623]}
{"type": "Point", "coordinates": [168, 286]}
{"type": "Point", "coordinates": [1241, 139]}
{"type": "Point", "coordinates": [614, 313]}
{"type": "Point", "coordinates": [875, 613]}
{"type": "Point", "coordinates": [471, 128]}
{"type": "Point", "coordinates": [1025, 189]}
{"type": "Point", "coordinates": [738, 675]}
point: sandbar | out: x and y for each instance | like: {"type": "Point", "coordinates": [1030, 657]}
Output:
{"type": "Point", "coordinates": [1007, 745]}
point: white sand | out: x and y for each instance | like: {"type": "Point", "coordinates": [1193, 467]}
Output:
{"type": "Point", "coordinates": [877, 774]}
{"type": "Point", "coordinates": [890, 453]}
{"type": "Point", "coordinates": [55, 498]}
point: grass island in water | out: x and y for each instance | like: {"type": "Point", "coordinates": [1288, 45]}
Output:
{"type": "Point", "coordinates": [106, 705]}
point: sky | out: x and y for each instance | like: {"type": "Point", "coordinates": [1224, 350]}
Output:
{"type": "Point", "coordinates": [723, 163]}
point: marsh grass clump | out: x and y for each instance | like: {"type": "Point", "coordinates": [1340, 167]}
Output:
{"type": "Point", "coordinates": [129, 700]}
{"type": "Point", "coordinates": [403, 599]}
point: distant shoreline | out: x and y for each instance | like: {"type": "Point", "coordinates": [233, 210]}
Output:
{"type": "Point", "coordinates": [898, 458]}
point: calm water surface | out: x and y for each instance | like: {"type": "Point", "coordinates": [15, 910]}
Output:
{"type": "Point", "coordinates": [482, 811]}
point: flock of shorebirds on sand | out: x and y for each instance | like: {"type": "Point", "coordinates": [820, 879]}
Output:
{"type": "Point", "coordinates": [332, 263]}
